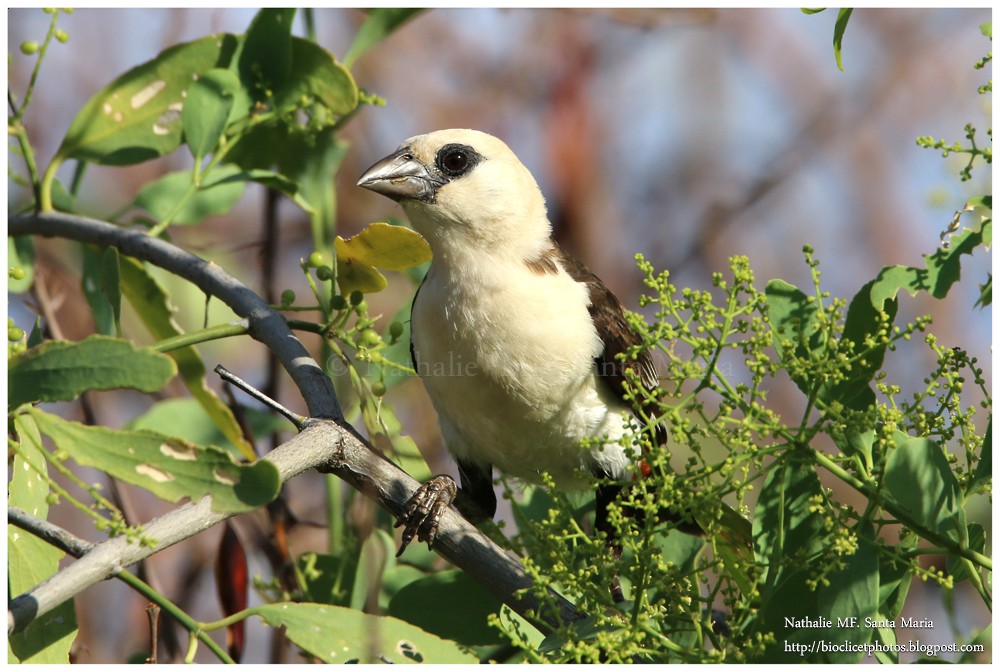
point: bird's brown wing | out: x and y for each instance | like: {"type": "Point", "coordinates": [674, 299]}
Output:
{"type": "Point", "coordinates": [618, 336]}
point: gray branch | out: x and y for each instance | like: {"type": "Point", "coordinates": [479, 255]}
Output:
{"type": "Point", "coordinates": [326, 443]}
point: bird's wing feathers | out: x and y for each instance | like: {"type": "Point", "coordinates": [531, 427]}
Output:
{"type": "Point", "coordinates": [617, 335]}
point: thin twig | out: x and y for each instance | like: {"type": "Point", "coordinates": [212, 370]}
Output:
{"type": "Point", "coordinates": [231, 378]}
{"type": "Point", "coordinates": [153, 612]}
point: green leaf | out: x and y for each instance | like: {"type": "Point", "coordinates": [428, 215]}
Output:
{"type": "Point", "coordinates": [956, 567]}
{"type": "Point", "coordinates": [783, 525]}
{"type": "Point", "coordinates": [111, 286]}
{"type": "Point", "coordinates": [862, 323]}
{"type": "Point", "coordinates": [186, 418]}
{"type": "Point", "coordinates": [31, 560]}
{"type": "Point", "coordinates": [386, 432]}
{"type": "Point", "coordinates": [941, 269]}
{"type": "Point", "coordinates": [451, 605]}
{"type": "Point", "coordinates": [169, 467]}
{"type": "Point", "coordinates": [311, 168]}
{"type": "Point", "coordinates": [851, 597]}
{"type": "Point", "coordinates": [327, 579]}
{"type": "Point", "coordinates": [271, 180]}
{"type": "Point", "coordinates": [206, 109]}
{"type": "Point", "coordinates": [160, 197]}
{"type": "Point", "coordinates": [895, 576]}
{"type": "Point", "coordinates": [379, 24]}
{"type": "Point", "coordinates": [151, 303]}
{"type": "Point", "coordinates": [317, 76]}
{"type": "Point", "coordinates": [266, 56]}
{"type": "Point", "coordinates": [984, 469]}
{"type": "Point", "coordinates": [985, 293]}
{"type": "Point", "coordinates": [91, 284]}
{"type": "Point", "coordinates": [378, 555]}
{"type": "Point", "coordinates": [138, 116]}
{"type": "Point", "coordinates": [787, 540]}
{"type": "Point", "coordinates": [843, 16]}
{"type": "Point", "coordinates": [807, 10]}
{"type": "Point", "coordinates": [792, 315]}
{"type": "Point", "coordinates": [37, 335]}
{"type": "Point", "coordinates": [21, 254]}
{"type": "Point", "coordinates": [61, 370]}
{"type": "Point", "coordinates": [919, 479]}
{"type": "Point", "coordinates": [340, 635]}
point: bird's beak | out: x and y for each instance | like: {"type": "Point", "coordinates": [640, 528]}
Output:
{"type": "Point", "coordinates": [401, 176]}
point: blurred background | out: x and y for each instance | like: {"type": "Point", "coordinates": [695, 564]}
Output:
{"type": "Point", "coordinates": [688, 135]}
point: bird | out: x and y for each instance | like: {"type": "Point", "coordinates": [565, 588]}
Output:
{"type": "Point", "coordinates": [518, 344]}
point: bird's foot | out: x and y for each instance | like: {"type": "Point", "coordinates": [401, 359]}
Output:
{"type": "Point", "coordinates": [423, 511]}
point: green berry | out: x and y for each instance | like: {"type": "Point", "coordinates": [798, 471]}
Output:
{"type": "Point", "coordinates": [378, 388]}
{"type": "Point", "coordinates": [30, 47]}
{"type": "Point", "coordinates": [287, 297]}
{"type": "Point", "coordinates": [356, 297]}
{"type": "Point", "coordinates": [315, 259]}
{"type": "Point", "coordinates": [395, 330]}
{"type": "Point", "coordinates": [62, 35]}
{"type": "Point", "coordinates": [49, 10]}
{"type": "Point", "coordinates": [324, 273]}
{"type": "Point", "coordinates": [369, 337]}
{"type": "Point", "coordinates": [338, 302]}
{"type": "Point", "coordinates": [16, 273]}
{"type": "Point", "coordinates": [361, 308]}
{"type": "Point", "coordinates": [15, 334]}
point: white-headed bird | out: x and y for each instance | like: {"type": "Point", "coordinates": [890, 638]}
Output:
{"type": "Point", "coordinates": [515, 341]}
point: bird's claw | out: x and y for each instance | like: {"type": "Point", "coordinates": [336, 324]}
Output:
{"type": "Point", "coordinates": [423, 512]}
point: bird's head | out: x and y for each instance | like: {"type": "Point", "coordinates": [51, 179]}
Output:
{"type": "Point", "coordinates": [465, 188]}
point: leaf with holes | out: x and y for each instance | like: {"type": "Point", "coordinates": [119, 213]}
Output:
{"type": "Point", "coordinates": [137, 117]}
{"type": "Point", "coordinates": [62, 370]}
{"type": "Point", "coordinates": [31, 560]}
{"type": "Point", "coordinates": [342, 635]}
{"type": "Point", "coordinates": [170, 468]}
{"type": "Point", "coordinates": [152, 304]}
{"type": "Point", "coordinates": [941, 269]}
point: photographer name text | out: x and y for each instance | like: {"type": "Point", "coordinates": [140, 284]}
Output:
{"type": "Point", "coordinates": [821, 622]}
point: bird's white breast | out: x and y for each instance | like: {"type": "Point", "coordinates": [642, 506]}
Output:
{"type": "Point", "coordinates": [507, 357]}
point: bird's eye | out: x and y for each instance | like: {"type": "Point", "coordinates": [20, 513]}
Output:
{"type": "Point", "coordinates": [457, 160]}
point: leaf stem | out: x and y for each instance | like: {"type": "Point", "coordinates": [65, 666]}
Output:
{"type": "Point", "coordinates": [200, 336]}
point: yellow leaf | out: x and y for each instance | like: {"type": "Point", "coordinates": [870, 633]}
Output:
{"type": "Point", "coordinates": [393, 248]}
{"type": "Point", "coordinates": [353, 275]}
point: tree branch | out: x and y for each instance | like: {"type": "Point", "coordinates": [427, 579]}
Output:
{"type": "Point", "coordinates": [266, 325]}
{"type": "Point", "coordinates": [326, 443]}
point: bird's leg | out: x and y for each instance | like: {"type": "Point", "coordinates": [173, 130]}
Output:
{"type": "Point", "coordinates": [476, 501]}
{"type": "Point", "coordinates": [423, 512]}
